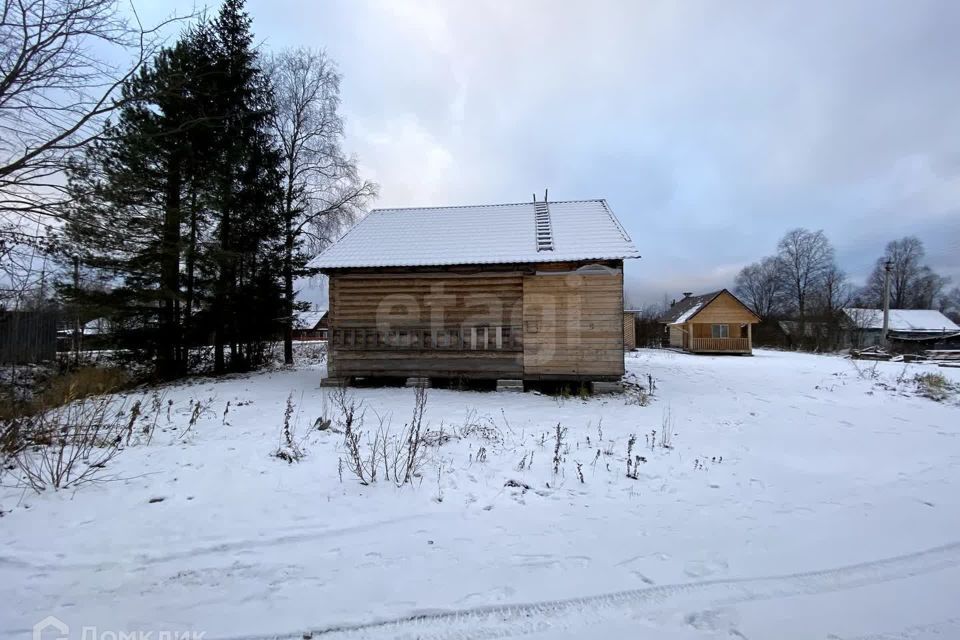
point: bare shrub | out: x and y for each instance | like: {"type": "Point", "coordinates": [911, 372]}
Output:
{"type": "Point", "coordinates": [68, 446]}
{"type": "Point", "coordinates": [415, 443]}
{"type": "Point", "coordinates": [666, 429]}
{"type": "Point", "coordinates": [482, 427]}
{"type": "Point", "coordinates": [522, 465]}
{"type": "Point", "coordinates": [437, 437]}
{"type": "Point", "coordinates": [290, 449]}
{"type": "Point", "coordinates": [636, 395]}
{"type": "Point", "coordinates": [866, 371]}
{"type": "Point", "coordinates": [400, 457]}
{"type": "Point", "coordinates": [631, 465]}
{"type": "Point", "coordinates": [198, 409]}
{"type": "Point", "coordinates": [558, 435]}
{"type": "Point", "coordinates": [350, 410]}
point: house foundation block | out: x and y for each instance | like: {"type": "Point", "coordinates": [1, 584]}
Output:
{"type": "Point", "coordinates": [417, 382]}
{"type": "Point", "coordinates": [607, 387]}
{"type": "Point", "coordinates": [508, 384]}
{"type": "Point", "coordinates": [334, 382]}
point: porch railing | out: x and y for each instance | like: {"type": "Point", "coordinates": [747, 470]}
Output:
{"type": "Point", "coordinates": [720, 344]}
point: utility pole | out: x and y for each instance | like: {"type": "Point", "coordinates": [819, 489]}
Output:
{"type": "Point", "coordinates": [886, 303]}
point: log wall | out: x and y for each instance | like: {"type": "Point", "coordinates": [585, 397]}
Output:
{"type": "Point", "coordinates": [535, 322]}
{"type": "Point", "coordinates": [424, 324]}
{"type": "Point", "coordinates": [573, 325]}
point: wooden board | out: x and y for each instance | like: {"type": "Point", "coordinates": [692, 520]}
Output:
{"type": "Point", "coordinates": [380, 302]}
{"type": "Point", "coordinates": [573, 325]}
{"type": "Point", "coordinates": [725, 309]}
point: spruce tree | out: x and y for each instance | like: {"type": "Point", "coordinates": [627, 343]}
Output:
{"type": "Point", "coordinates": [179, 203]}
{"type": "Point", "coordinates": [247, 198]}
{"type": "Point", "coordinates": [129, 212]}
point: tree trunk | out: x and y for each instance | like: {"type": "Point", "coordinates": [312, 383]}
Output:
{"type": "Point", "coordinates": [224, 277]}
{"type": "Point", "coordinates": [288, 302]}
{"type": "Point", "coordinates": [167, 360]}
{"type": "Point", "coordinates": [288, 268]}
{"type": "Point", "coordinates": [191, 267]}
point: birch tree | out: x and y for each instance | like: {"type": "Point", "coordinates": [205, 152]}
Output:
{"type": "Point", "coordinates": [323, 191]}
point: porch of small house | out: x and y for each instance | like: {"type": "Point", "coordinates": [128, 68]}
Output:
{"type": "Point", "coordinates": [705, 337]}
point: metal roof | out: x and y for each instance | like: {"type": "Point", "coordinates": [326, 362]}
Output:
{"type": "Point", "coordinates": [482, 234]}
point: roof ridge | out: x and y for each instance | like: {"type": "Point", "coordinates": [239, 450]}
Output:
{"type": "Point", "coordinates": [495, 204]}
{"type": "Point", "coordinates": [616, 222]}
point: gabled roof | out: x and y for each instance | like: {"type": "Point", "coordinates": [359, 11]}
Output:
{"type": "Point", "coordinates": [684, 310]}
{"type": "Point", "coordinates": [307, 320]}
{"type": "Point", "coordinates": [484, 234]}
{"type": "Point", "coordinates": [912, 320]}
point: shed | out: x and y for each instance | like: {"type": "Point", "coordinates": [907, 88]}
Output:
{"type": "Point", "coordinates": [523, 291]}
{"type": "Point", "coordinates": [310, 325]}
{"type": "Point", "coordinates": [913, 328]}
{"type": "Point", "coordinates": [716, 322]}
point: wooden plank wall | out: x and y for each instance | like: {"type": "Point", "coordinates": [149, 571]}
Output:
{"type": "Point", "coordinates": [676, 335]}
{"type": "Point", "coordinates": [573, 325]}
{"type": "Point", "coordinates": [27, 336]}
{"type": "Point", "coordinates": [432, 301]}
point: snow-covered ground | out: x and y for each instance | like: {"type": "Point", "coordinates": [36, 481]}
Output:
{"type": "Point", "coordinates": [800, 499]}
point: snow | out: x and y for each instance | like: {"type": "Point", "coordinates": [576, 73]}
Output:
{"type": "Point", "coordinates": [834, 513]}
{"type": "Point", "coordinates": [308, 319]}
{"type": "Point", "coordinates": [485, 234]}
{"type": "Point", "coordinates": [689, 313]}
{"type": "Point", "coordinates": [915, 320]}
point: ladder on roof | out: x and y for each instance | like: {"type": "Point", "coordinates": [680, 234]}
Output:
{"type": "Point", "coordinates": [544, 230]}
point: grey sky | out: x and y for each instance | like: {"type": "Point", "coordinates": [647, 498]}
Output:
{"type": "Point", "coordinates": [710, 127]}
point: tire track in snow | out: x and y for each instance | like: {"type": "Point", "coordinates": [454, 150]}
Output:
{"type": "Point", "coordinates": [501, 621]}
{"type": "Point", "coordinates": [242, 544]}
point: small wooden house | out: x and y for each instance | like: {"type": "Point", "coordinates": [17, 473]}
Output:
{"type": "Point", "coordinates": [310, 325]}
{"type": "Point", "coordinates": [711, 323]}
{"type": "Point", "coordinates": [509, 292]}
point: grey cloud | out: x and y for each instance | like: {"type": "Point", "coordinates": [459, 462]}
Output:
{"type": "Point", "coordinates": [710, 127]}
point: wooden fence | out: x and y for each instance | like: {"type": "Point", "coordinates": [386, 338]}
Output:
{"type": "Point", "coordinates": [27, 336]}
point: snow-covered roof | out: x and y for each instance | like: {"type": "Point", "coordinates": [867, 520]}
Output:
{"type": "Point", "coordinates": [683, 310]}
{"type": "Point", "coordinates": [914, 320]}
{"type": "Point", "coordinates": [483, 234]}
{"type": "Point", "coordinates": [308, 319]}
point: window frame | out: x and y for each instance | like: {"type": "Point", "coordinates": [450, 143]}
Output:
{"type": "Point", "coordinates": [722, 329]}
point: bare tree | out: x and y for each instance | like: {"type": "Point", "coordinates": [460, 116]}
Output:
{"type": "Point", "coordinates": [323, 190]}
{"type": "Point", "coordinates": [804, 258]}
{"type": "Point", "coordinates": [760, 286]}
{"type": "Point", "coordinates": [913, 285]}
{"type": "Point", "coordinates": [835, 292]}
{"type": "Point", "coordinates": [950, 304]}
{"type": "Point", "coordinates": [56, 90]}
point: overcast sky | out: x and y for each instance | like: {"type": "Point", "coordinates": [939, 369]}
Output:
{"type": "Point", "coordinates": [710, 127]}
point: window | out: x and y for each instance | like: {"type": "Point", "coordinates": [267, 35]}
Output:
{"type": "Point", "coordinates": [719, 331]}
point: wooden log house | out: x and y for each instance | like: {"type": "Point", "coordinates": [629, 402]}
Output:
{"type": "Point", "coordinates": [716, 322]}
{"type": "Point", "coordinates": [508, 292]}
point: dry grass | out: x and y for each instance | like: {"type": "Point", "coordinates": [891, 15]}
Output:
{"type": "Point", "coordinates": [934, 386]}
{"type": "Point", "coordinates": [67, 387]}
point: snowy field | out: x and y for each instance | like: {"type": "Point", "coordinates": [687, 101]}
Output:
{"type": "Point", "coordinates": [800, 499]}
